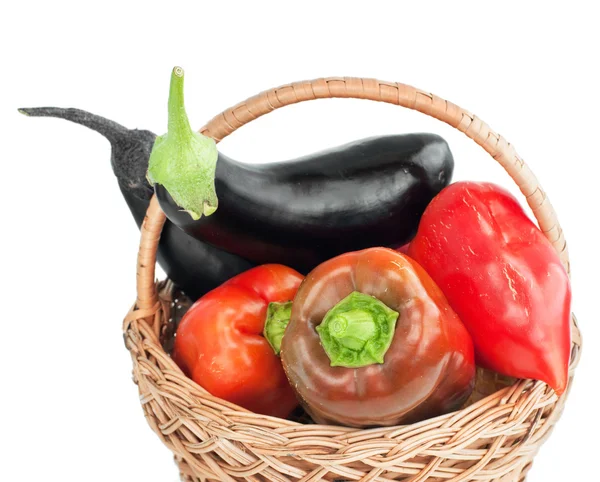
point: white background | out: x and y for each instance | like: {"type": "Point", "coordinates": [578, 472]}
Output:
{"type": "Point", "coordinates": [69, 409]}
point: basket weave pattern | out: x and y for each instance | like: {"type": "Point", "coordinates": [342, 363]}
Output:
{"type": "Point", "coordinates": [493, 439]}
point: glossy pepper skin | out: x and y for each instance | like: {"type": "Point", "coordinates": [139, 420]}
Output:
{"type": "Point", "coordinates": [427, 370]}
{"type": "Point", "coordinates": [302, 212]}
{"type": "Point", "coordinates": [219, 342]}
{"type": "Point", "coordinates": [502, 277]}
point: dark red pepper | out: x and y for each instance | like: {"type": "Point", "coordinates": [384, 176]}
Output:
{"type": "Point", "coordinates": [372, 341]}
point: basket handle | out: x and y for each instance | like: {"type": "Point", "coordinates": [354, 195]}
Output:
{"type": "Point", "coordinates": [391, 92]}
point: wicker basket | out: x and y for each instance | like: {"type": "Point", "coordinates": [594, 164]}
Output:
{"type": "Point", "coordinates": [494, 438]}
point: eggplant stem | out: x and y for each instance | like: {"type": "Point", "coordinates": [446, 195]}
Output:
{"type": "Point", "coordinates": [184, 161]}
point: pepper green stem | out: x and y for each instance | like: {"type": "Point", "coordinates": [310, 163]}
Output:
{"type": "Point", "coordinates": [353, 328]}
{"type": "Point", "coordinates": [357, 331]}
{"type": "Point", "coordinates": [184, 161]}
{"type": "Point", "coordinates": [278, 317]}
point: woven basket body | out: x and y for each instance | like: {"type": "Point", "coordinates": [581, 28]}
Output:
{"type": "Point", "coordinates": [494, 438]}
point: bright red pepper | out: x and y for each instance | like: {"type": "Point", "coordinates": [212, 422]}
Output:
{"type": "Point", "coordinates": [219, 342]}
{"type": "Point", "coordinates": [502, 277]}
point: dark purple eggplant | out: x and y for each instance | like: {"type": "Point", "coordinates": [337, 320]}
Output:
{"type": "Point", "coordinates": [299, 213]}
{"type": "Point", "coordinates": [193, 265]}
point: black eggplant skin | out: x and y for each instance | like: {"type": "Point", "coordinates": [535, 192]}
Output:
{"type": "Point", "coordinates": [302, 212]}
{"type": "Point", "coordinates": [193, 265]}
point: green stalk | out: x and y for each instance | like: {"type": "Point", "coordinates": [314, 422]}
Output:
{"type": "Point", "coordinates": [278, 317]}
{"type": "Point", "coordinates": [179, 124]}
{"type": "Point", "coordinates": [353, 328]}
{"type": "Point", "coordinates": [357, 331]}
{"type": "Point", "coordinates": [184, 161]}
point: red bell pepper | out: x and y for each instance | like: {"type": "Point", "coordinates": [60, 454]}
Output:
{"type": "Point", "coordinates": [219, 342]}
{"type": "Point", "coordinates": [372, 341]}
{"type": "Point", "coordinates": [502, 277]}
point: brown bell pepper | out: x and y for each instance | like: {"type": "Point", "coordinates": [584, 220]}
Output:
{"type": "Point", "coordinates": [372, 341]}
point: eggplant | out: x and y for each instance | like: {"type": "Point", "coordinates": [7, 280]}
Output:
{"type": "Point", "coordinates": [302, 212]}
{"type": "Point", "coordinates": [193, 265]}
{"type": "Point", "coordinates": [299, 212]}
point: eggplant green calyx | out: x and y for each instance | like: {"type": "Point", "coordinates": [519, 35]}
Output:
{"type": "Point", "coordinates": [278, 317]}
{"type": "Point", "coordinates": [357, 331]}
{"type": "Point", "coordinates": [184, 161]}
